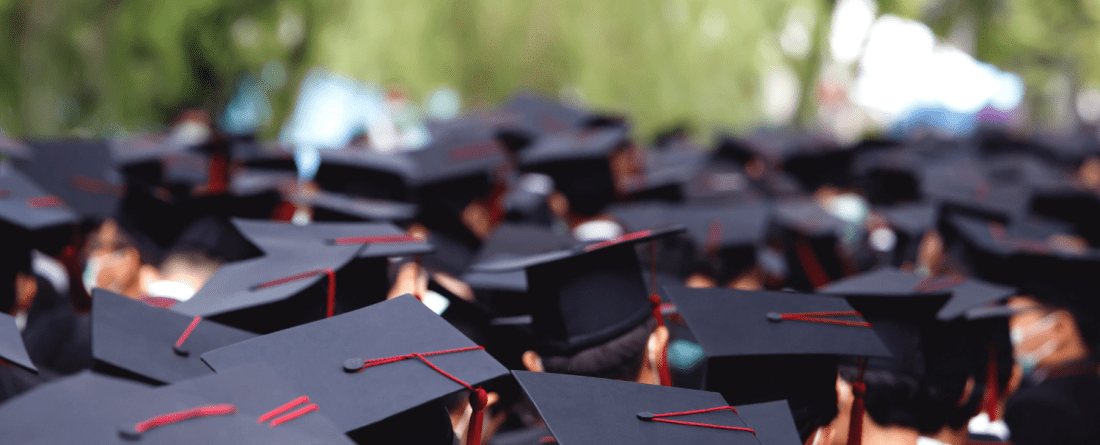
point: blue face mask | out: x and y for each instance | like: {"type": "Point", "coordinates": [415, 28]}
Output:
{"type": "Point", "coordinates": [1028, 361]}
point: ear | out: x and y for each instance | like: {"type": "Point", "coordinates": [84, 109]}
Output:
{"type": "Point", "coordinates": [475, 216]}
{"type": "Point", "coordinates": [26, 288]}
{"type": "Point", "coordinates": [657, 344]}
{"type": "Point", "coordinates": [558, 203]}
{"type": "Point", "coordinates": [532, 361]}
{"type": "Point", "coordinates": [968, 390]}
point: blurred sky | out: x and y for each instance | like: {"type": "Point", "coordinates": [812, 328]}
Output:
{"type": "Point", "coordinates": [102, 68]}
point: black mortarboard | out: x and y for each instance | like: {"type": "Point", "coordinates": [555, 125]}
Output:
{"type": "Point", "coordinates": [330, 206]}
{"type": "Point", "coordinates": [909, 222]}
{"type": "Point", "coordinates": [966, 293]}
{"type": "Point", "coordinates": [338, 362]}
{"type": "Point", "coordinates": [544, 116]}
{"type": "Point", "coordinates": [765, 346]}
{"type": "Point", "coordinates": [906, 324]}
{"type": "Point", "coordinates": [676, 257]}
{"type": "Point", "coordinates": [729, 237]}
{"type": "Point", "coordinates": [12, 349]}
{"type": "Point", "coordinates": [366, 174]}
{"type": "Point", "coordinates": [260, 394]}
{"type": "Point", "coordinates": [961, 187]}
{"type": "Point", "coordinates": [772, 422]}
{"type": "Point", "coordinates": [511, 241]}
{"type": "Point", "coordinates": [526, 199]}
{"type": "Point", "coordinates": [258, 154]}
{"type": "Point", "coordinates": [80, 173]}
{"type": "Point", "coordinates": [889, 176]}
{"type": "Point", "coordinates": [88, 408]}
{"type": "Point", "coordinates": [24, 204]}
{"type": "Point", "coordinates": [1081, 208]}
{"type": "Point", "coordinates": [285, 287]}
{"type": "Point", "coordinates": [811, 239]}
{"type": "Point", "coordinates": [133, 339]}
{"type": "Point", "coordinates": [579, 164]}
{"type": "Point", "coordinates": [30, 217]}
{"type": "Point", "coordinates": [586, 295]}
{"type": "Point", "coordinates": [376, 240]}
{"type": "Point", "coordinates": [588, 410]}
{"type": "Point", "coordinates": [722, 181]}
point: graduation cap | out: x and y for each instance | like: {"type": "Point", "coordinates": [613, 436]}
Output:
{"type": "Point", "coordinates": [543, 116]}
{"type": "Point", "coordinates": [579, 164]}
{"type": "Point", "coordinates": [368, 365]}
{"type": "Point", "coordinates": [260, 394]}
{"type": "Point", "coordinates": [905, 322]}
{"type": "Point", "coordinates": [366, 174]}
{"type": "Point", "coordinates": [766, 346]}
{"type": "Point", "coordinates": [30, 217]}
{"type": "Point", "coordinates": [812, 238]}
{"type": "Point", "coordinates": [12, 349]}
{"type": "Point", "coordinates": [908, 222]}
{"type": "Point", "coordinates": [966, 293]}
{"type": "Point", "coordinates": [587, 410]}
{"type": "Point", "coordinates": [526, 199]}
{"type": "Point", "coordinates": [728, 237]}
{"type": "Point", "coordinates": [504, 290]}
{"type": "Point", "coordinates": [1080, 208]}
{"type": "Point", "coordinates": [79, 172]}
{"type": "Point", "coordinates": [294, 282]}
{"type": "Point", "coordinates": [133, 339]}
{"type": "Point", "coordinates": [890, 176]}
{"type": "Point", "coordinates": [376, 240]}
{"type": "Point", "coordinates": [88, 408]}
{"type": "Point", "coordinates": [26, 205]}
{"type": "Point", "coordinates": [586, 295]}
{"type": "Point", "coordinates": [772, 422]}
{"type": "Point", "coordinates": [330, 206]}
{"type": "Point", "coordinates": [961, 188]}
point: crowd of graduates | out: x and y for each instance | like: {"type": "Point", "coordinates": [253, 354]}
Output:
{"type": "Point", "coordinates": [538, 274]}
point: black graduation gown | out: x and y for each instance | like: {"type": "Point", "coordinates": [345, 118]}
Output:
{"type": "Point", "coordinates": [1064, 408]}
{"type": "Point", "coordinates": [57, 337]}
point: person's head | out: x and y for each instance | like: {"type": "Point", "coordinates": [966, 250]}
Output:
{"type": "Point", "coordinates": [631, 357]}
{"type": "Point", "coordinates": [1045, 335]}
{"type": "Point", "coordinates": [17, 283]}
{"type": "Point", "coordinates": [114, 262]}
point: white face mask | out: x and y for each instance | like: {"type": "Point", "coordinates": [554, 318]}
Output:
{"type": "Point", "coordinates": [1028, 361]}
{"type": "Point", "coordinates": [90, 277]}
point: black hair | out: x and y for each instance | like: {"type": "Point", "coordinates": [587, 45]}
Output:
{"type": "Point", "coordinates": [891, 399]}
{"type": "Point", "coordinates": [15, 258]}
{"type": "Point", "coordinates": [620, 358]}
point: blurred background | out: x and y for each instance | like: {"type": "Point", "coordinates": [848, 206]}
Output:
{"type": "Point", "coordinates": [847, 67]}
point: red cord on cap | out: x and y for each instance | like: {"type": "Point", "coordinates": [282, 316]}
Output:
{"type": "Point", "coordinates": [663, 373]}
{"type": "Point", "coordinates": [97, 186]}
{"type": "Point", "coordinates": [820, 317]}
{"type": "Point", "coordinates": [43, 201]}
{"type": "Point", "coordinates": [178, 416]}
{"type": "Point", "coordinates": [992, 387]}
{"type": "Point", "coordinates": [814, 271]}
{"type": "Point", "coordinates": [282, 409]}
{"type": "Point", "coordinates": [621, 239]}
{"type": "Point", "coordinates": [855, 422]}
{"type": "Point", "coordinates": [380, 239]}
{"type": "Point", "coordinates": [310, 407]}
{"type": "Point", "coordinates": [478, 397]}
{"type": "Point", "coordinates": [187, 332]}
{"type": "Point", "coordinates": [661, 418]}
{"type": "Point", "coordinates": [331, 303]}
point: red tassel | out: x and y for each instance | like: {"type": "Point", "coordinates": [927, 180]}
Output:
{"type": "Point", "coordinates": [814, 271]}
{"type": "Point", "coordinates": [992, 391]}
{"type": "Point", "coordinates": [479, 399]}
{"type": "Point", "coordinates": [859, 390]}
{"type": "Point", "coordinates": [330, 308]}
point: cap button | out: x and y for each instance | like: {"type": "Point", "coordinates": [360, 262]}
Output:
{"type": "Point", "coordinates": [646, 415]}
{"type": "Point", "coordinates": [775, 317]}
{"type": "Point", "coordinates": [128, 433]}
{"type": "Point", "coordinates": [181, 351]}
{"type": "Point", "coordinates": [353, 364]}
